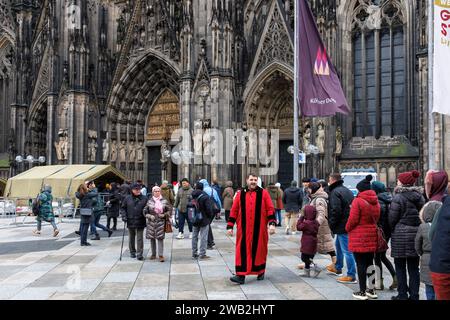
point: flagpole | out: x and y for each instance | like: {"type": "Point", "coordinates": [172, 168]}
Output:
{"type": "Point", "coordinates": [431, 130]}
{"type": "Point", "coordinates": [296, 106]}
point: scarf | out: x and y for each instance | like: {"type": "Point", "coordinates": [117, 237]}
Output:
{"type": "Point", "coordinates": [158, 205]}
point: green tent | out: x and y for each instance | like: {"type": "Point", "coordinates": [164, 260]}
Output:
{"type": "Point", "coordinates": [64, 180]}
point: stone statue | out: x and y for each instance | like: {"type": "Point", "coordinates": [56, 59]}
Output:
{"type": "Point", "coordinates": [132, 154]}
{"type": "Point", "coordinates": [62, 146]}
{"type": "Point", "coordinates": [93, 150]}
{"type": "Point", "coordinates": [321, 137]}
{"type": "Point", "coordinates": [123, 152]}
{"type": "Point", "coordinates": [140, 152]}
{"type": "Point", "coordinates": [105, 150]}
{"type": "Point", "coordinates": [338, 141]}
{"type": "Point", "coordinates": [306, 139]}
{"type": "Point", "coordinates": [114, 151]}
{"type": "Point", "coordinates": [164, 148]}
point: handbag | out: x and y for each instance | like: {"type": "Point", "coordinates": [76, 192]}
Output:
{"type": "Point", "coordinates": [86, 212]}
{"type": "Point", "coordinates": [168, 226]}
{"type": "Point", "coordinates": [382, 245]}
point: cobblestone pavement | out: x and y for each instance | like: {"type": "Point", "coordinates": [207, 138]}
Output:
{"type": "Point", "coordinates": [58, 268]}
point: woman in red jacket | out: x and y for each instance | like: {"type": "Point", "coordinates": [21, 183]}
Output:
{"type": "Point", "coordinates": [362, 234]}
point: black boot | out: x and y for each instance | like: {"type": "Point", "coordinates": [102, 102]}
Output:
{"type": "Point", "coordinates": [77, 232]}
{"type": "Point", "coordinates": [260, 276]}
{"type": "Point", "coordinates": [110, 232]}
{"type": "Point", "coordinates": [238, 279]}
{"type": "Point", "coordinates": [96, 237]}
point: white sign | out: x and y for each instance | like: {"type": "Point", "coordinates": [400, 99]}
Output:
{"type": "Point", "coordinates": [441, 67]}
{"type": "Point", "coordinates": [302, 158]}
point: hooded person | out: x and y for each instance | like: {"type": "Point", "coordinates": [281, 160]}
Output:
{"type": "Point", "coordinates": [167, 192]}
{"type": "Point", "coordinates": [362, 234]}
{"type": "Point", "coordinates": [276, 196]}
{"type": "Point", "coordinates": [45, 200]}
{"type": "Point", "coordinates": [405, 221]}
{"type": "Point", "coordinates": [309, 226]}
{"type": "Point", "coordinates": [384, 199]}
{"type": "Point", "coordinates": [227, 196]}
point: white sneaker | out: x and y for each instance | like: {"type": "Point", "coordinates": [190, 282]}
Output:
{"type": "Point", "coordinates": [294, 232]}
{"type": "Point", "coordinates": [36, 232]}
{"type": "Point", "coordinates": [190, 235]}
{"type": "Point", "coordinates": [180, 235]}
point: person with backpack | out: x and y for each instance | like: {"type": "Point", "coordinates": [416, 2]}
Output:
{"type": "Point", "coordinates": [201, 214]}
{"type": "Point", "coordinates": [217, 207]}
{"type": "Point", "coordinates": [157, 212]}
{"type": "Point", "coordinates": [404, 220]}
{"type": "Point", "coordinates": [167, 192]}
{"type": "Point", "coordinates": [309, 226]}
{"type": "Point", "coordinates": [362, 235]}
{"type": "Point", "coordinates": [184, 196]}
{"type": "Point", "coordinates": [42, 206]}
{"type": "Point", "coordinates": [98, 211]}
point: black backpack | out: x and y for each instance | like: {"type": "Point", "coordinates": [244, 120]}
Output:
{"type": "Point", "coordinates": [36, 206]}
{"type": "Point", "coordinates": [195, 216]}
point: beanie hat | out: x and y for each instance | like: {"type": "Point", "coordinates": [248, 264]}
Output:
{"type": "Point", "coordinates": [314, 186]}
{"type": "Point", "coordinates": [364, 184]}
{"type": "Point", "coordinates": [314, 179]}
{"type": "Point", "coordinates": [378, 187]}
{"type": "Point", "coordinates": [409, 178]}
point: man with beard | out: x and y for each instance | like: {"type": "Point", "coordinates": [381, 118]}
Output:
{"type": "Point", "coordinates": [253, 212]}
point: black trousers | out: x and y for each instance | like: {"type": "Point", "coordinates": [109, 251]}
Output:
{"type": "Point", "coordinates": [307, 259]}
{"type": "Point", "coordinates": [410, 265]}
{"type": "Point", "coordinates": [210, 237]}
{"type": "Point", "coordinates": [363, 262]}
{"type": "Point", "coordinates": [380, 259]}
{"type": "Point", "coordinates": [227, 215]}
{"type": "Point", "coordinates": [114, 219]}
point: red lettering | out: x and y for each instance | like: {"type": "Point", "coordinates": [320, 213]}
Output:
{"type": "Point", "coordinates": [445, 15]}
{"type": "Point", "coordinates": [444, 29]}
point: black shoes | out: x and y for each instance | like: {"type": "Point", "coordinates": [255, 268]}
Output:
{"type": "Point", "coordinates": [398, 298]}
{"type": "Point", "coordinates": [87, 244]}
{"type": "Point", "coordinates": [260, 277]}
{"type": "Point", "coordinates": [133, 255]}
{"type": "Point", "coordinates": [140, 258]}
{"type": "Point", "coordinates": [110, 232]}
{"type": "Point", "coordinates": [211, 247]}
{"type": "Point", "coordinates": [77, 233]}
{"type": "Point", "coordinates": [238, 279]}
{"type": "Point", "coordinates": [114, 228]}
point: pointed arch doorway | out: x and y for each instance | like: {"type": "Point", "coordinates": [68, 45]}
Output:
{"type": "Point", "coordinates": [162, 121]}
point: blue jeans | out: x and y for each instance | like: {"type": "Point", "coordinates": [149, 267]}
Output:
{"type": "Point", "coordinates": [182, 217]}
{"type": "Point", "coordinates": [429, 291]}
{"type": "Point", "coordinates": [278, 216]}
{"type": "Point", "coordinates": [95, 223]}
{"type": "Point", "coordinates": [52, 222]}
{"type": "Point", "coordinates": [341, 252]}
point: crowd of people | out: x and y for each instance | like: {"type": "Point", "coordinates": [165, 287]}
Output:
{"type": "Point", "coordinates": [356, 230]}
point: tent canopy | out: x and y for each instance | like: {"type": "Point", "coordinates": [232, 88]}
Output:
{"type": "Point", "coordinates": [64, 180]}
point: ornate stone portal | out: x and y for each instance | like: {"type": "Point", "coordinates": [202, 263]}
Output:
{"type": "Point", "coordinates": [164, 119]}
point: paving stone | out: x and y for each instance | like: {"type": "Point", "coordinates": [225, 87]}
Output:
{"type": "Point", "coordinates": [226, 295]}
{"type": "Point", "coordinates": [112, 291]}
{"type": "Point", "coordinates": [187, 295]}
{"type": "Point", "coordinates": [191, 268]}
{"type": "Point", "coordinates": [51, 280]}
{"type": "Point", "coordinates": [185, 282]}
{"type": "Point", "coordinates": [121, 277]}
{"type": "Point", "coordinates": [146, 280]}
{"type": "Point", "coordinates": [153, 293]}
{"type": "Point", "coordinates": [28, 293]}
{"type": "Point", "coordinates": [70, 296]}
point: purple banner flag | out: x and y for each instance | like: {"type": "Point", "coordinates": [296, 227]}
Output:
{"type": "Point", "coordinates": [318, 87]}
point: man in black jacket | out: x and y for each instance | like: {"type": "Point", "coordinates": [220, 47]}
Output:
{"type": "Point", "coordinates": [131, 210]}
{"type": "Point", "coordinates": [293, 201]}
{"type": "Point", "coordinates": [201, 228]}
{"type": "Point", "coordinates": [340, 201]}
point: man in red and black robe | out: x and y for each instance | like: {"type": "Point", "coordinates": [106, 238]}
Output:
{"type": "Point", "coordinates": [253, 212]}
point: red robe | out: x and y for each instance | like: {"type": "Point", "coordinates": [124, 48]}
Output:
{"type": "Point", "coordinates": [252, 211]}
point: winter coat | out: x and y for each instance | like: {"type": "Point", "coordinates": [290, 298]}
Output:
{"type": "Point", "coordinates": [155, 226]}
{"type": "Point", "coordinates": [293, 199]}
{"type": "Point", "coordinates": [211, 192]}
{"type": "Point", "coordinates": [404, 220]}
{"type": "Point", "coordinates": [114, 200]}
{"type": "Point", "coordinates": [46, 207]}
{"type": "Point", "coordinates": [362, 223]}
{"type": "Point", "coordinates": [227, 197]}
{"type": "Point", "coordinates": [440, 241]}
{"type": "Point", "coordinates": [423, 243]}
{"type": "Point", "coordinates": [306, 198]}
{"type": "Point", "coordinates": [167, 193]}
{"type": "Point", "coordinates": [183, 198]}
{"type": "Point", "coordinates": [218, 189]}
{"type": "Point", "coordinates": [310, 227]}
{"type": "Point", "coordinates": [325, 241]}
{"type": "Point", "coordinates": [205, 205]}
{"type": "Point", "coordinates": [340, 200]}
{"type": "Point", "coordinates": [88, 201]}
{"type": "Point", "coordinates": [275, 195]}
{"type": "Point", "coordinates": [385, 199]}
{"type": "Point", "coordinates": [99, 206]}
{"type": "Point", "coordinates": [132, 209]}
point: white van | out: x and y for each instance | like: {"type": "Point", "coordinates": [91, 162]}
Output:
{"type": "Point", "coordinates": [352, 177]}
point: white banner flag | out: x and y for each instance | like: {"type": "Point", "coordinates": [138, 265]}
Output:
{"type": "Point", "coordinates": [441, 67]}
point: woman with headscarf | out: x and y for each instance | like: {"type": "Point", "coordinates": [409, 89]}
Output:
{"type": "Point", "coordinates": [157, 211]}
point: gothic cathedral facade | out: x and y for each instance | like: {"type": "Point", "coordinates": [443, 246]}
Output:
{"type": "Point", "coordinates": [109, 81]}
